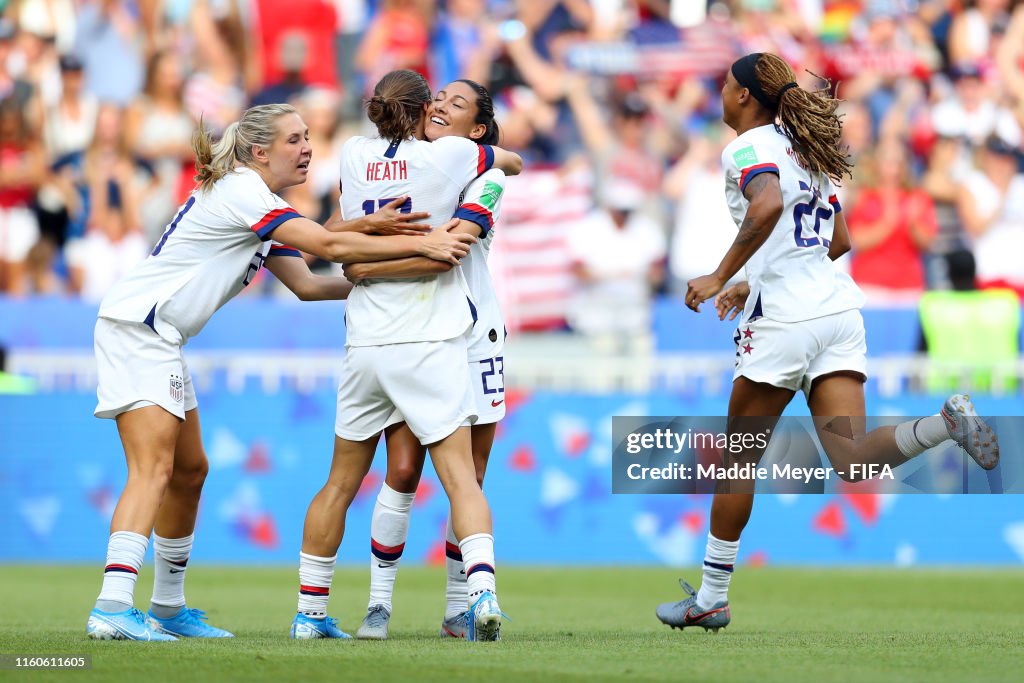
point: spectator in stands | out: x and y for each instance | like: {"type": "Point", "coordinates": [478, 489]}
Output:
{"type": "Point", "coordinates": [618, 257]}
{"type": "Point", "coordinates": [891, 228]}
{"type": "Point", "coordinates": [465, 42]}
{"type": "Point", "coordinates": [973, 111]}
{"type": "Point", "coordinates": [159, 131]}
{"type": "Point", "coordinates": [41, 68]}
{"type": "Point", "coordinates": [973, 32]}
{"type": "Point", "coordinates": [68, 126]}
{"type": "Point", "coordinates": [991, 203]}
{"type": "Point", "coordinates": [215, 91]}
{"type": "Point", "coordinates": [113, 240]}
{"type": "Point", "coordinates": [947, 166]}
{"type": "Point", "coordinates": [872, 66]}
{"type": "Point", "coordinates": [291, 63]}
{"type": "Point", "coordinates": [398, 38]}
{"type": "Point", "coordinates": [704, 229]}
{"type": "Point", "coordinates": [12, 85]}
{"type": "Point", "coordinates": [316, 23]}
{"type": "Point", "coordinates": [110, 42]}
{"type": "Point", "coordinates": [22, 165]}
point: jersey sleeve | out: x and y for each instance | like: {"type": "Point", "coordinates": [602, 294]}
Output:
{"type": "Point", "coordinates": [481, 202]}
{"type": "Point", "coordinates": [462, 160]}
{"type": "Point", "coordinates": [278, 249]}
{"type": "Point", "coordinates": [833, 199]}
{"type": "Point", "coordinates": [256, 207]}
{"type": "Point", "coordinates": [743, 162]}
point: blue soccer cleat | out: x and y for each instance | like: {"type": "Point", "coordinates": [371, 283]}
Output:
{"type": "Point", "coordinates": [188, 623]}
{"type": "Point", "coordinates": [686, 612]}
{"type": "Point", "coordinates": [308, 628]}
{"type": "Point", "coordinates": [127, 625]}
{"type": "Point", "coordinates": [483, 620]}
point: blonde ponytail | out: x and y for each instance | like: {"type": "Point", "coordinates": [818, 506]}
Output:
{"type": "Point", "coordinates": [257, 127]}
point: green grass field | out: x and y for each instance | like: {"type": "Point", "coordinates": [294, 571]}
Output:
{"type": "Point", "coordinates": [570, 624]}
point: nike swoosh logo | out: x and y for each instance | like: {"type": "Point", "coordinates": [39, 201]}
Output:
{"type": "Point", "coordinates": [141, 634]}
{"type": "Point", "coordinates": [495, 404]}
{"type": "Point", "coordinates": [694, 618]}
{"type": "Point", "coordinates": [383, 566]}
{"type": "Point", "coordinates": [177, 571]}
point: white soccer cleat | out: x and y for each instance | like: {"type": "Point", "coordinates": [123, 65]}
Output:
{"type": "Point", "coordinates": [375, 624]}
{"type": "Point", "coordinates": [970, 431]}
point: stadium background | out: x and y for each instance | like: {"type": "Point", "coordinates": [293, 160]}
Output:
{"type": "Point", "coordinates": [614, 104]}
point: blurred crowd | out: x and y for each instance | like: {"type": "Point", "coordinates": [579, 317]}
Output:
{"type": "Point", "coordinates": [98, 100]}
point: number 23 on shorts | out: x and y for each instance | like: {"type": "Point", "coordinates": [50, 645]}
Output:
{"type": "Point", "coordinates": [493, 376]}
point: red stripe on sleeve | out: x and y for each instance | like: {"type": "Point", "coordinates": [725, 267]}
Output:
{"type": "Point", "coordinates": [270, 216]}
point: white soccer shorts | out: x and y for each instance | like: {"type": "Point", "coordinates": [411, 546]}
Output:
{"type": "Point", "coordinates": [426, 382]}
{"type": "Point", "coordinates": [488, 379]}
{"type": "Point", "coordinates": [793, 355]}
{"type": "Point", "coordinates": [136, 367]}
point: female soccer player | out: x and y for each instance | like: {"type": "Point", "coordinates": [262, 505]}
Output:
{"type": "Point", "coordinates": [464, 109]}
{"type": "Point", "coordinates": [219, 239]}
{"type": "Point", "coordinates": [801, 327]}
{"type": "Point", "coordinates": [406, 353]}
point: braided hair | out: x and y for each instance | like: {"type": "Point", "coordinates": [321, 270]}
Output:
{"type": "Point", "coordinates": [807, 117]}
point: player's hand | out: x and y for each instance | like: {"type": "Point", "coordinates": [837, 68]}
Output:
{"type": "Point", "coordinates": [733, 299]}
{"type": "Point", "coordinates": [390, 220]}
{"type": "Point", "coordinates": [449, 247]}
{"type": "Point", "coordinates": [700, 289]}
{"type": "Point", "coordinates": [354, 272]}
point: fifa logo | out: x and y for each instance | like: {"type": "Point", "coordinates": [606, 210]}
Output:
{"type": "Point", "coordinates": [177, 389]}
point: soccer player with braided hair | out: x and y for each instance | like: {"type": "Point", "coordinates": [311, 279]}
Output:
{"type": "Point", "coordinates": [800, 324]}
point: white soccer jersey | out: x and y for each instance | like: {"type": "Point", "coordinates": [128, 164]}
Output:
{"type": "Point", "coordinates": [481, 204]}
{"type": "Point", "coordinates": [373, 172]}
{"type": "Point", "coordinates": [209, 253]}
{"type": "Point", "coordinates": [791, 277]}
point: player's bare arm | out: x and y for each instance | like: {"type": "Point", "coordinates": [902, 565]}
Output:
{"type": "Point", "coordinates": [295, 274]}
{"type": "Point", "coordinates": [509, 162]}
{"type": "Point", "coordinates": [840, 238]}
{"type": "Point", "coordinates": [389, 220]}
{"type": "Point", "coordinates": [413, 266]}
{"type": "Point", "coordinates": [342, 247]}
{"type": "Point", "coordinates": [765, 197]}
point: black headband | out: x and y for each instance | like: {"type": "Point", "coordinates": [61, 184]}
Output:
{"type": "Point", "coordinates": [744, 73]}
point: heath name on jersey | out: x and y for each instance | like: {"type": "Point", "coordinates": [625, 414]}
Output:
{"type": "Point", "coordinates": [374, 171]}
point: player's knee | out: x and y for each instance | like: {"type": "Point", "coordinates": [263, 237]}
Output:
{"type": "Point", "coordinates": [191, 476]}
{"type": "Point", "coordinates": [404, 477]}
{"type": "Point", "coordinates": [155, 474]}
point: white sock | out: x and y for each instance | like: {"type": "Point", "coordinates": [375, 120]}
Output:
{"type": "Point", "coordinates": [389, 528]}
{"type": "Point", "coordinates": [478, 559]}
{"type": "Point", "coordinates": [170, 556]}
{"type": "Point", "coordinates": [125, 553]}
{"type": "Point", "coordinates": [917, 436]}
{"type": "Point", "coordinates": [315, 576]}
{"type": "Point", "coordinates": [719, 558]}
{"type": "Point", "coordinates": [455, 582]}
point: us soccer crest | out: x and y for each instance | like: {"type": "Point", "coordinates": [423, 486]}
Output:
{"type": "Point", "coordinates": [177, 389]}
